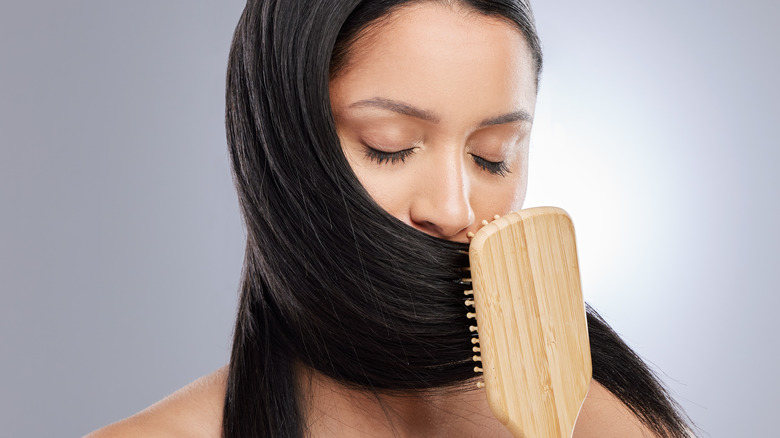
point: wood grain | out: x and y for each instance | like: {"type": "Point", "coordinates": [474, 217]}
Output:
{"type": "Point", "coordinates": [533, 333]}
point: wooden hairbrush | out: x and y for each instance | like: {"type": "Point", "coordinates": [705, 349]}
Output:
{"type": "Point", "coordinates": [532, 333]}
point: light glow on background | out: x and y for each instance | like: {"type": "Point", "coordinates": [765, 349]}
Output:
{"type": "Point", "coordinates": [654, 129]}
{"type": "Point", "coordinates": [121, 241]}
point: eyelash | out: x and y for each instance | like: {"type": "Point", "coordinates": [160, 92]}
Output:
{"type": "Point", "coordinates": [495, 167]}
{"type": "Point", "coordinates": [383, 157]}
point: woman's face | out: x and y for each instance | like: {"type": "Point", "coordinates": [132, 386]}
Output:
{"type": "Point", "coordinates": [434, 112]}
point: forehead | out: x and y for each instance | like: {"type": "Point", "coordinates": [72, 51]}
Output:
{"type": "Point", "coordinates": [440, 56]}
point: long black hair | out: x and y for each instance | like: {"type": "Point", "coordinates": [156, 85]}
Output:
{"type": "Point", "coordinates": [330, 280]}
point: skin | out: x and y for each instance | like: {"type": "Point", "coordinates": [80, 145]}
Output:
{"type": "Point", "coordinates": [403, 73]}
{"type": "Point", "coordinates": [456, 91]}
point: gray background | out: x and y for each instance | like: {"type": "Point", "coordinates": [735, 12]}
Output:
{"type": "Point", "coordinates": [121, 242]}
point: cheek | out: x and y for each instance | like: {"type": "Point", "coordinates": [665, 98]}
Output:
{"type": "Point", "coordinates": [521, 187]}
{"type": "Point", "coordinates": [390, 190]}
{"type": "Point", "coordinates": [500, 195]}
{"type": "Point", "coordinates": [497, 199]}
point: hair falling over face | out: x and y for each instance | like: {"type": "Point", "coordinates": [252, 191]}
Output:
{"type": "Point", "coordinates": [331, 281]}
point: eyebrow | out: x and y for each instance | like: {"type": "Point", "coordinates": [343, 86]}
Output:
{"type": "Point", "coordinates": [429, 116]}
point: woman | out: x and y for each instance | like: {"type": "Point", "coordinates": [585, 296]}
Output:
{"type": "Point", "coordinates": [368, 139]}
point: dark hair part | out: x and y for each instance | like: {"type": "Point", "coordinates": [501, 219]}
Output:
{"type": "Point", "coordinates": [330, 280]}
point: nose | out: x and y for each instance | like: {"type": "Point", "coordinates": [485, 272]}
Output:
{"type": "Point", "coordinates": [442, 207]}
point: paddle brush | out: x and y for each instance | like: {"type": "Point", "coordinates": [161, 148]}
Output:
{"type": "Point", "coordinates": [531, 334]}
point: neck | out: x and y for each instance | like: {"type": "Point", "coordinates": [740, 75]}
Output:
{"type": "Point", "coordinates": [331, 409]}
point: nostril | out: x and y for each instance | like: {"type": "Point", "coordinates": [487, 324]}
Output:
{"type": "Point", "coordinates": [443, 210]}
{"type": "Point", "coordinates": [451, 231]}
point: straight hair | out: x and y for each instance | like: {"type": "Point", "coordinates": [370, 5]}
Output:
{"type": "Point", "coordinates": [331, 281]}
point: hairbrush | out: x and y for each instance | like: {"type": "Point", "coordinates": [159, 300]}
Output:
{"type": "Point", "coordinates": [531, 335]}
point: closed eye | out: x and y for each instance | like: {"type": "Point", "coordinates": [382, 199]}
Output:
{"type": "Point", "coordinates": [494, 167]}
{"type": "Point", "coordinates": [384, 157]}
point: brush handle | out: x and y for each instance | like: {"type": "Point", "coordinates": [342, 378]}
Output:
{"type": "Point", "coordinates": [533, 334]}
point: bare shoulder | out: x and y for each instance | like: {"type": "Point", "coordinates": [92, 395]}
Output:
{"type": "Point", "coordinates": [194, 411]}
{"type": "Point", "coordinates": [604, 415]}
